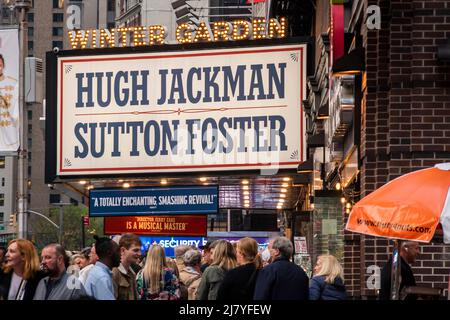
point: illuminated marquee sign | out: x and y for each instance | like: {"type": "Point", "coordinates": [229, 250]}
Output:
{"type": "Point", "coordinates": [235, 108]}
{"type": "Point", "coordinates": [258, 28]}
{"type": "Point", "coordinates": [157, 225]}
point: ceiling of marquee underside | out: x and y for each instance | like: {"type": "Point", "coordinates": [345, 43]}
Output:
{"type": "Point", "coordinates": [262, 192]}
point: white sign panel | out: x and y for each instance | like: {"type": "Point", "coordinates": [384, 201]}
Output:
{"type": "Point", "coordinates": [227, 109]}
{"type": "Point", "coordinates": [9, 90]}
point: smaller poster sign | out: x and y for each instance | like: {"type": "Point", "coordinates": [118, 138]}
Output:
{"type": "Point", "coordinates": [157, 225]}
{"type": "Point", "coordinates": [86, 220]}
{"type": "Point", "coordinates": [300, 245]}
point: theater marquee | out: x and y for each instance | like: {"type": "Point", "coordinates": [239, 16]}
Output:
{"type": "Point", "coordinates": [219, 109]}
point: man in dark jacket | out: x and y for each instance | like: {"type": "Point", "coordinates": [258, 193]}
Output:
{"type": "Point", "coordinates": [282, 279]}
{"type": "Point", "coordinates": [408, 253]}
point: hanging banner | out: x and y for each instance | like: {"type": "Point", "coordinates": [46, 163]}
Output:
{"type": "Point", "coordinates": [181, 111]}
{"type": "Point", "coordinates": [9, 90]}
{"type": "Point", "coordinates": [157, 225]}
{"type": "Point", "coordinates": [153, 201]}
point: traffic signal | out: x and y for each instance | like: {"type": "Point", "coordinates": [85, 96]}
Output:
{"type": "Point", "coordinates": [184, 12]}
{"type": "Point", "coordinates": [12, 220]}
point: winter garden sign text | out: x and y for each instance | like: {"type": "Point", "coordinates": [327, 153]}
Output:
{"type": "Point", "coordinates": [236, 30]}
{"type": "Point", "coordinates": [221, 109]}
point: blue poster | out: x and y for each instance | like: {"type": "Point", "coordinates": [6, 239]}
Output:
{"type": "Point", "coordinates": [169, 243]}
{"type": "Point", "coordinates": [153, 201]}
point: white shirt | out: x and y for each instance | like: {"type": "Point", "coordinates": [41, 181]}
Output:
{"type": "Point", "coordinates": [17, 288]}
{"type": "Point", "coordinates": [84, 273]}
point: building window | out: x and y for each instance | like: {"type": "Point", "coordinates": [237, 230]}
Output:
{"type": "Point", "coordinates": [29, 156]}
{"type": "Point", "coordinates": [58, 31]}
{"type": "Point", "coordinates": [2, 218]}
{"type": "Point", "coordinates": [2, 162]}
{"type": "Point", "coordinates": [56, 4]}
{"type": "Point", "coordinates": [30, 115]}
{"type": "Point", "coordinates": [29, 198]}
{"type": "Point", "coordinates": [29, 170]}
{"type": "Point", "coordinates": [3, 182]}
{"type": "Point", "coordinates": [58, 44]}
{"type": "Point", "coordinates": [30, 143]}
{"type": "Point", "coordinates": [30, 17]}
{"type": "Point", "coordinates": [2, 199]}
{"type": "Point", "coordinates": [58, 17]}
{"type": "Point", "coordinates": [30, 31]}
{"type": "Point", "coordinates": [30, 128]}
{"type": "Point", "coordinates": [30, 45]}
{"type": "Point", "coordinates": [110, 5]}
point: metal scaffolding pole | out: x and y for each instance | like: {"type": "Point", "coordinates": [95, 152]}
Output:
{"type": "Point", "coordinates": [22, 7]}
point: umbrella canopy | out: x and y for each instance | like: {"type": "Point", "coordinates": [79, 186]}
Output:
{"type": "Point", "coordinates": [409, 207]}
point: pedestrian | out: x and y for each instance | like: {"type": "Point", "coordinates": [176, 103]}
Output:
{"type": "Point", "coordinates": [2, 256]}
{"type": "Point", "coordinates": [328, 280]}
{"type": "Point", "coordinates": [191, 274]}
{"type": "Point", "coordinates": [207, 250]}
{"type": "Point", "coordinates": [156, 281]}
{"type": "Point", "coordinates": [282, 279]}
{"type": "Point", "coordinates": [265, 254]}
{"type": "Point", "coordinates": [409, 250]}
{"type": "Point", "coordinates": [93, 258]}
{"type": "Point", "coordinates": [20, 275]}
{"type": "Point", "coordinates": [224, 259]}
{"type": "Point", "coordinates": [58, 284]}
{"type": "Point", "coordinates": [239, 283]}
{"type": "Point", "coordinates": [79, 261]}
{"type": "Point", "coordinates": [99, 283]}
{"type": "Point", "coordinates": [179, 253]}
{"type": "Point", "coordinates": [124, 278]}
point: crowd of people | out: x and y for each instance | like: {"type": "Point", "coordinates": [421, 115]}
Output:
{"type": "Point", "coordinates": [115, 269]}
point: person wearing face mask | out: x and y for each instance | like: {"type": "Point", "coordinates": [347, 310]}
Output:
{"type": "Point", "coordinates": [58, 285]}
{"type": "Point", "coordinates": [20, 275]}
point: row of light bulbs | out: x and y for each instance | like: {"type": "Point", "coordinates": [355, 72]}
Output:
{"type": "Point", "coordinates": [156, 35]}
{"type": "Point", "coordinates": [240, 30]}
{"type": "Point", "coordinates": [246, 192]}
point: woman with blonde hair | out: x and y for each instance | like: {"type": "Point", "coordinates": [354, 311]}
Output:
{"type": "Point", "coordinates": [328, 280]}
{"type": "Point", "coordinates": [224, 259]}
{"type": "Point", "coordinates": [156, 281]}
{"type": "Point", "coordinates": [21, 274]}
{"type": "Point", "coordinates": [239, 283]}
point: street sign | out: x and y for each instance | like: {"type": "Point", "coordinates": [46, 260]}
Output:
{"type": "Point", "coordinates": [86, 220]}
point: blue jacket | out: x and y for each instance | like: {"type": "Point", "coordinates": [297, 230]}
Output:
{"type": "Point", "coordinates": [281, 280]}
{"type": "Point", "coordinates": [320, 290]}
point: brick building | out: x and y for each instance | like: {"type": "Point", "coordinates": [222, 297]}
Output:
{"type": "Point", "coordinates": [380, 110]}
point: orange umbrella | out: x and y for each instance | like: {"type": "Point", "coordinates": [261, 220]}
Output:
{"type": "Point", "coordinates": [409, 207]}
